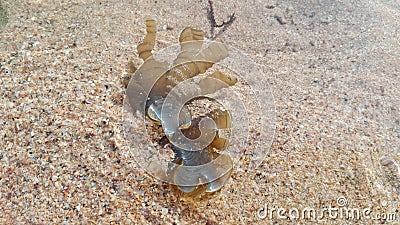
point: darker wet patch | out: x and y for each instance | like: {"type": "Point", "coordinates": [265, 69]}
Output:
{"type": "Point", "coordinates": [3, 17]}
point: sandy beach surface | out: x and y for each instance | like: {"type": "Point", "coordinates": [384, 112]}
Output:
{"type": "Point", "coordinates": [333, 68]}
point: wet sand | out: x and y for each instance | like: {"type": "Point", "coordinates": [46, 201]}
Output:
{"type": "Point", "coordinates": [333, 68]}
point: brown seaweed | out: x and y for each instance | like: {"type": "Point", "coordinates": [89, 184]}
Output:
{"type": "Point", "coordinates": [199, 165]}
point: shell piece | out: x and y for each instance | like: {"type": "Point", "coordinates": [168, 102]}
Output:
{"type": "Point", "coordinates": [389, 163]}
